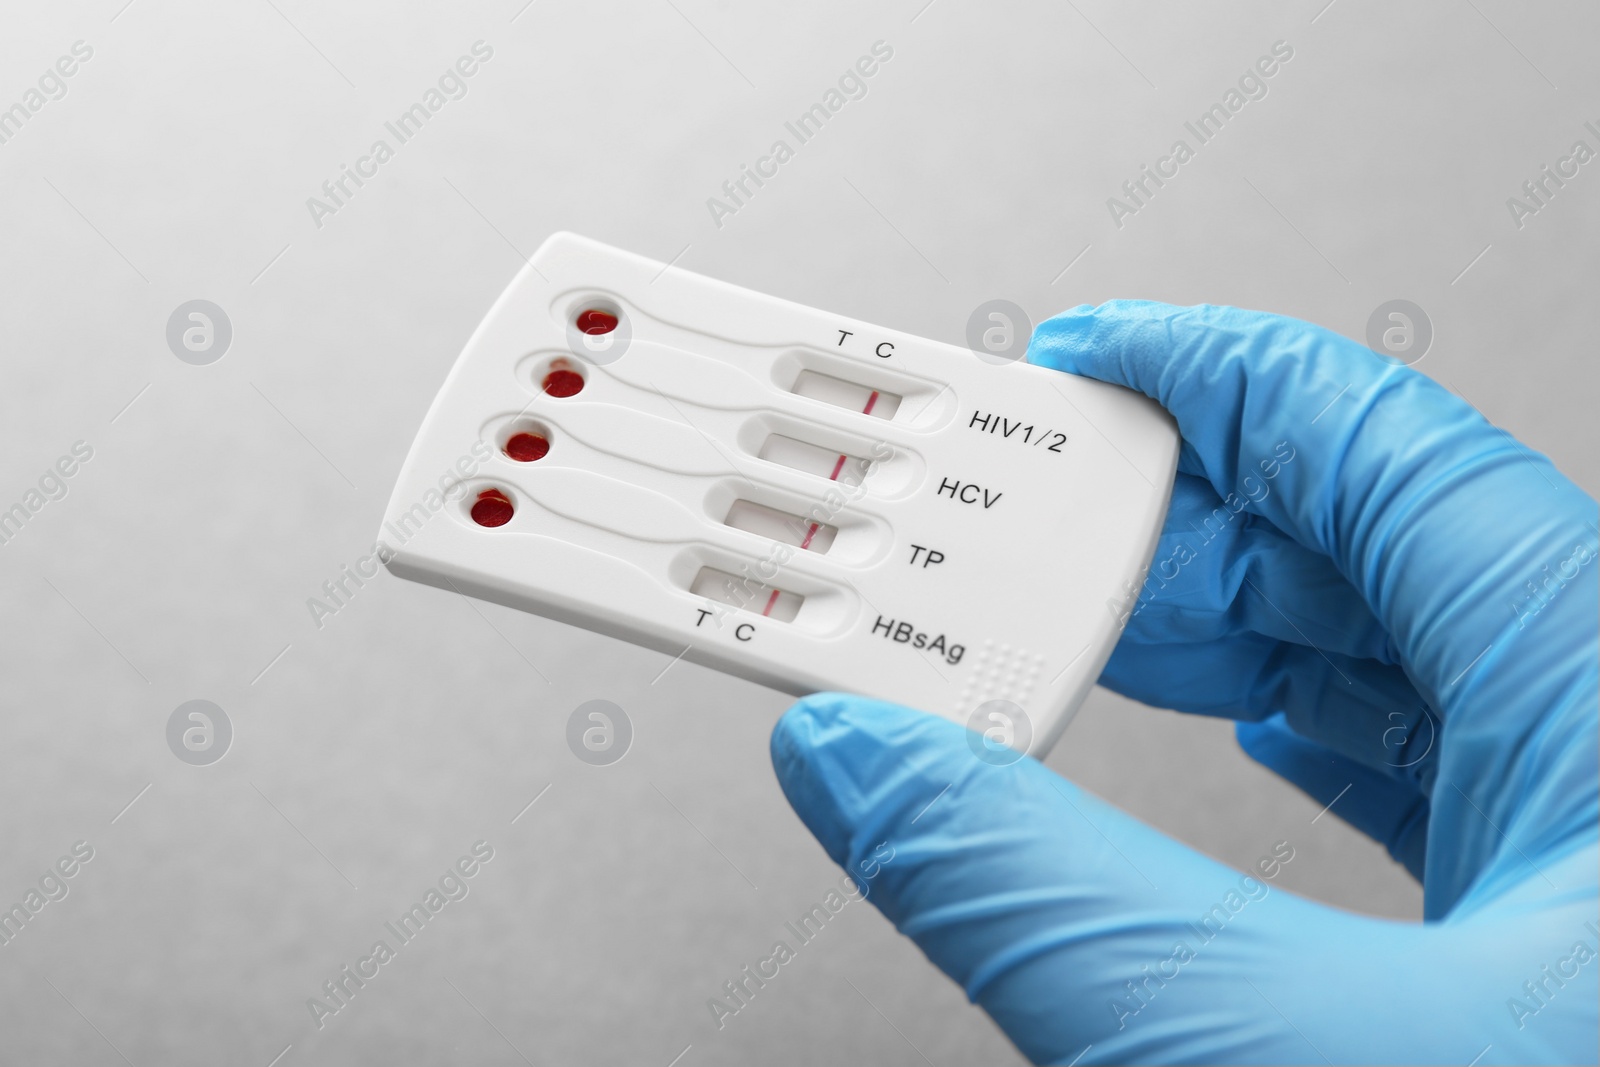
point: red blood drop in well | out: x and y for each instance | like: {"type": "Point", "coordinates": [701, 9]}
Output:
{"type": "Point", "coordinates": [527, 447]}
{"type": "Point", "coordinates": [492, 508]}
{"type": "Point", "coordinates": [594, 321]}
{"type": "Point", "coordinates": [562, 382]}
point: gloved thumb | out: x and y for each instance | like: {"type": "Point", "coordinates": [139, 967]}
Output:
{"type": "Point", "coordinates": [1081, 931]}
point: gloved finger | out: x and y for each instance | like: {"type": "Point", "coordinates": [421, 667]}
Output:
{"type": "Point", "coordinates": [1220, 571]}
{"type": "Point", "coordinates": [1391, 811]}
{"type": "Point", "coordinates": [1366, 711]}
{"type": "Point", "coordinates": [1469, 547]}
{"type": "Point", "coordinates": [1352, 455]}
{"type": "Point", "coordinates": [1089, 937]}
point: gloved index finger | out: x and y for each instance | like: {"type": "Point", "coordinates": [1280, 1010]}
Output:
{"type": "Point", "coordinates": [1475, 553]}
{"type": "Point", "coordinates": [1351, 454]}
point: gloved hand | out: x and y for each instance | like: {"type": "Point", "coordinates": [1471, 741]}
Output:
{"type": "Point", "coordinates": [1406, 607]}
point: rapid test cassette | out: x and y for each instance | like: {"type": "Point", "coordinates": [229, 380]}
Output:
{"type": "Point", "coordinates": [799, 498]}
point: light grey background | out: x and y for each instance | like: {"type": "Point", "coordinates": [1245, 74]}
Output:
{"type": "Point", "coordinates": [370, 753]}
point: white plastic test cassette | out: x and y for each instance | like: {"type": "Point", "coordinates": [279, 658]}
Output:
{"type": "Point", "coordinates": [802, 499]}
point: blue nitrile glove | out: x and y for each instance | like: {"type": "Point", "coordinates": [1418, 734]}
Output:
{"type": "Point", "coordinates": [1398, 601]}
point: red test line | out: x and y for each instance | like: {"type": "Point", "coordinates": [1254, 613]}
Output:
{"type": "Point", "coordinates": [771, 600]}
{"type": "Point", "coordinates": [837, 467]}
